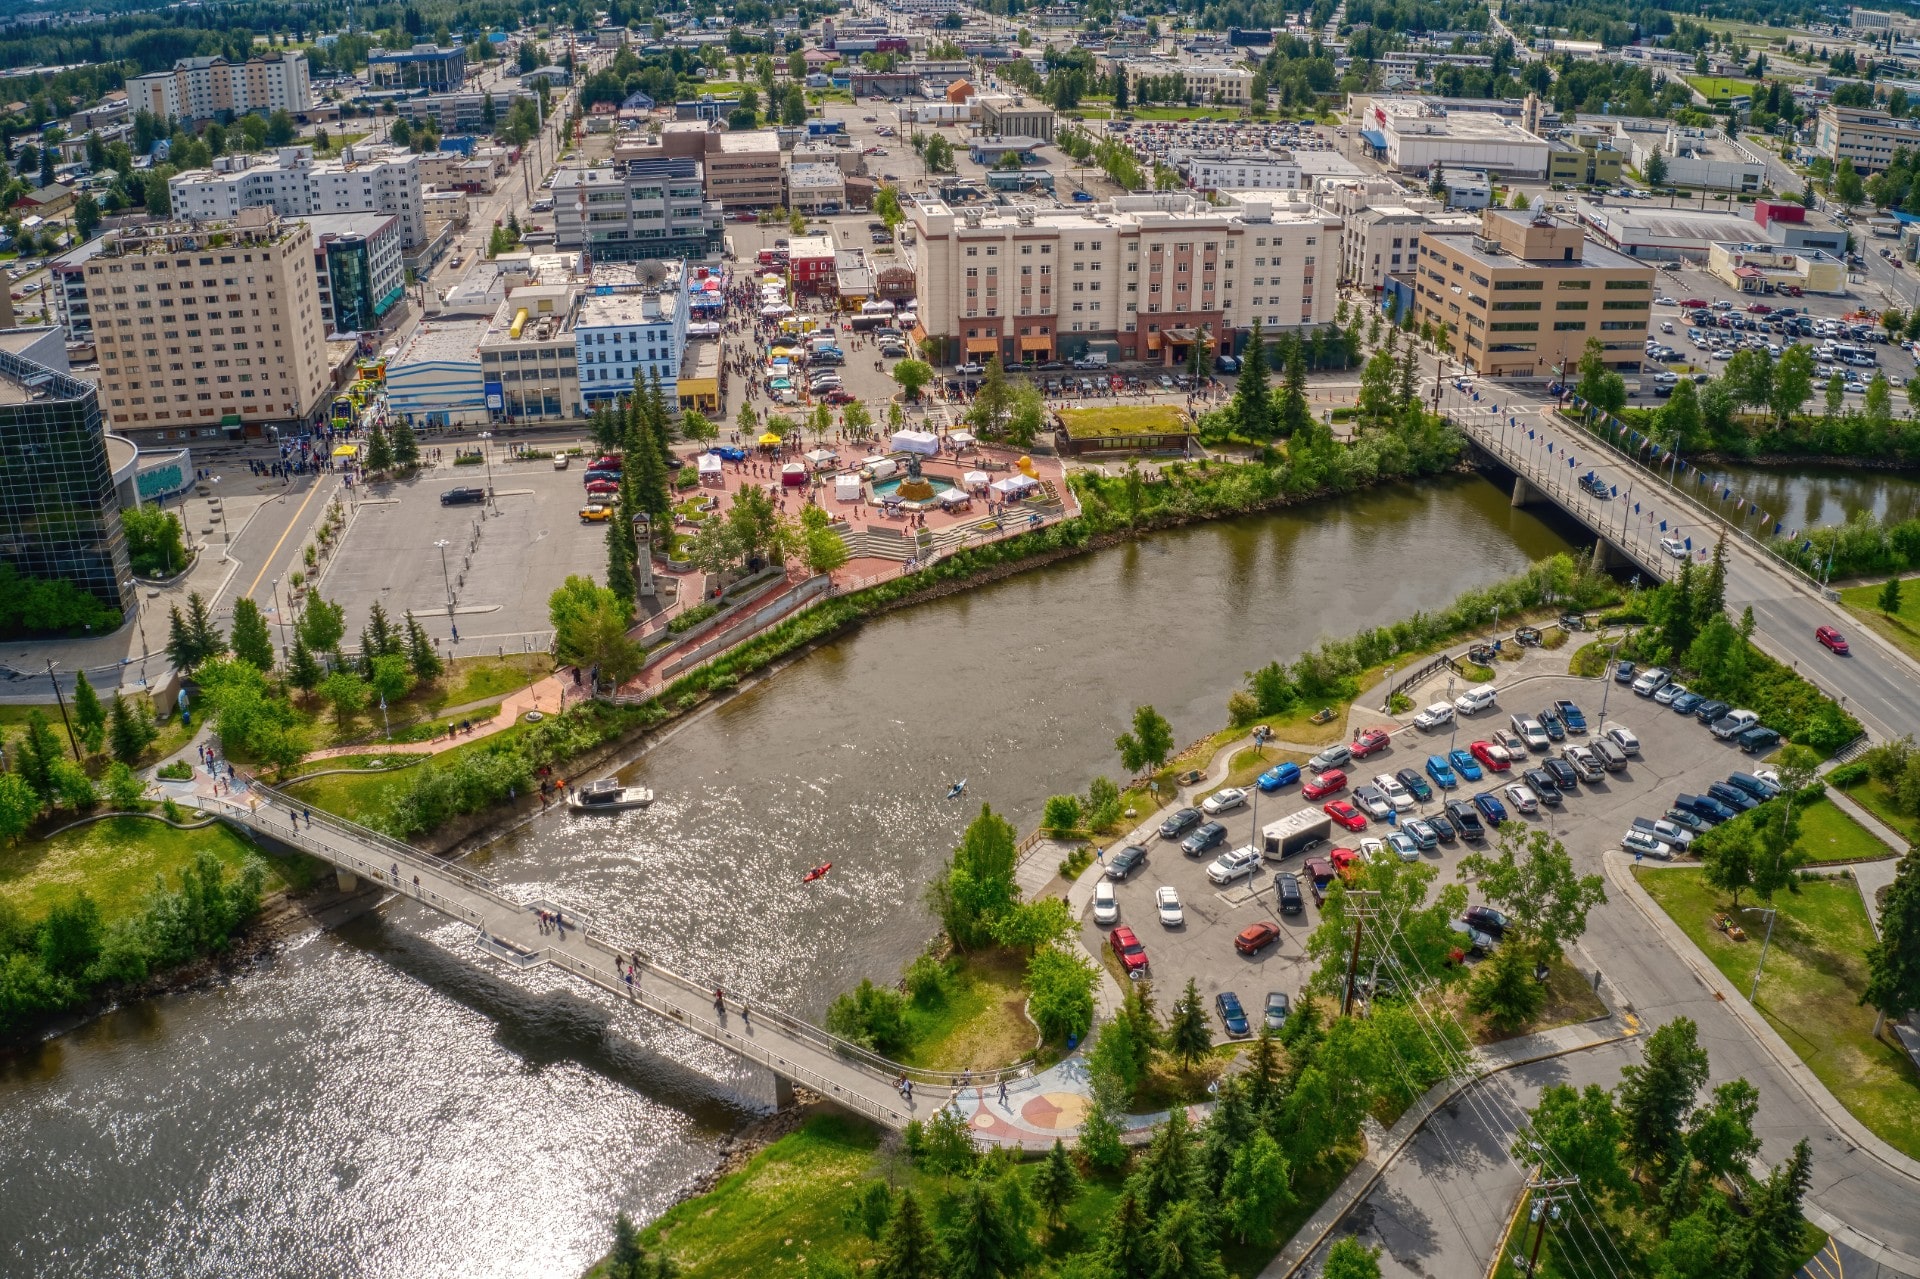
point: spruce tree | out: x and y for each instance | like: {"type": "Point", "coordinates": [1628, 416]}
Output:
{"type": "Point", "coordinates": [406, 445]}
{"type": "Point", "coordinates": [425, 662]}
{"type": "Point", "coordinates": [379, 450]}
{"type": "Point", "coordinates": [909, 1250]}
{"type": "Point", "coordinates": [1166, 1173]}
{"type": "Point", "coordinates": [129, 730]}
{"type": "Point", "coordinates": [1189, 1037]}
{"type": "Point", "coordinates": [181, 649]}
{"type": "Point", "coordinates": [89, 716]}
{"type": "Point", "coordinates": [620, 559]}
{"type": "Point", "coordinates": [1183, 1246]}
{"type": "Point", "coordinates": [981, 1243]}
{"type": "Point", "coordinates": [1296, 416]}
{"type": "Point", "coordinates": [38, 757]}
{"type": "Point", "coordinates": [207, 640]}
{"type": "Point", "coordinates": [303, 670]}
{"type": "Point", "coordinates": [252, 641]}
{"type": "Point", "coordinates": [1657, 1092]}
{"type": "Point", "coordinates": [1893, 962]}
{"type": "Point", "coordinates": [1056, 1185]}
{"type": "Point", "coordinates": [378, 638]}
{"type": "Point", "coordinates": [1124, 1250]}
{"type": "Point", "coordinates": [660, 418]}
{"type": "Point", "coordinates": [1889, 602]}
{"type": "Point", "coordinates": [1252, 406]}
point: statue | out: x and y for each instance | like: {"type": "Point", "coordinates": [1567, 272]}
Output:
{"type": "Point", "coordinates": [913, 465]}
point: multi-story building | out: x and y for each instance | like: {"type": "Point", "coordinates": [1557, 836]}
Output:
{"type": "Point", "coordinates": [637, 209]}
{"type": "Point", "coordinates": [1587, 159]}
{"type": "Point", "coordinates": [456, 113]}
{"type": "Point", "coordinates": [357, 269]}
{"type": "Point", "coordinates": [742, 170]}
{"type": "Point", "coordinates": [1414, 136]}
{"type": "Point", "coordinates": [1274, 170]}
{"type": "Point", "coordinates": [816, 188]}
{"type": "Point", "coordinates": [1201, 82]}
{"type": "Point", "coordinates": [1144, 274]}
{"type": "Point", "coordinates": [926, 8]}
{"type": "Point", "coordinates": [1012, 116]}
{"type": "Point", "coordinates": [424, 66]}
{"type": "Point", "coordinates": [1384, 240]}
{"type": "Point", "coordinates": [1867, 136]}
{"type": "Point", "coordinates": [69, 285]}
{"type": "Point", "coordinates": [628, 338]}
{"type": "Point", "coordinates": [436, 379]}
{"type": "Point", "coordinates": [213, 88]}
{"type": "Point", "coordinates": [209, 323]}
{"type": "Point", "coordinates": [1521, 298]}
{"type": "Point", "coordinates": [59, 500]}
{"type": "Point", "coordinates": [527, 355]}
{"type": "Point", "coordinates": [295, 185]}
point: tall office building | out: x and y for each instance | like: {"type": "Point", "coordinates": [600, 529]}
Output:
{"type": "Point", "coordinates": [636, 210]}
{"type": "Point", "coordinates": [424, 66]}
{"type": "Point", "coordinates": [357, 268]}
{"type": "Point", "coordinates": [209, 323]}
{"type": "Point", "coordinates": [295, 185]}
{"type": "Point", "coordinates": [209, 88]}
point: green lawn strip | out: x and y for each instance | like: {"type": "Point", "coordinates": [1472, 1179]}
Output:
{"type": "Point", "coordinates": [1719, 88]}
{"type": "Point", "coordinates": [1815, 970]}
{"type": "Point", "coordinates": [981, 1021]}
{"type": "Point", "coordinates": [1902, 629]}
{"type": "Point", "coordinates": [1122, 419]}
{"type": "Point", "coordinates": [1829, 835]}
{"type": "Point", "coordinates": [355, 797]}
{"type": "Point", "coordinates": [1878, 800]}
{"type": "Point", "coordinates": [115, 861]}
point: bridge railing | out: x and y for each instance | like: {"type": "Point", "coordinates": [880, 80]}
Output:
{"type": "Point", "coordinates": [275, 816]}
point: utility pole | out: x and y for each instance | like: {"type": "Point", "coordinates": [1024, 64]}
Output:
{"type": "Point", "coordinates": [74, 743]}
{"type": "Point", "coordinates": [1548, 1194]}
{"type": "Point", "coordinates": [1362, 904]}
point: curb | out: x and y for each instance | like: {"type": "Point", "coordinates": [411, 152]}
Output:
{"type": "Point", "coordinates": [1352, 1192]}
{"type": "Point", "coordinates": [1620, 874]}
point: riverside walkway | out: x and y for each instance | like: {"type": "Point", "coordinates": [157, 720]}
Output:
{"type": "Point", "coordinates": [510, 931]}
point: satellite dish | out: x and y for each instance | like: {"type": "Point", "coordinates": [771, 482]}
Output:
{"type": "Point", "coordinates": [651, 272]}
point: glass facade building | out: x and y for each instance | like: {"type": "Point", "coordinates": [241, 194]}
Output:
{"type": "Point", "coordinates": [59, 511]}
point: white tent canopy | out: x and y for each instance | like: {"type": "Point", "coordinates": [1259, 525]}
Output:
{"type": "Point", "coordinates": [925, 443]}
{"type": "Point", "coordinates": [846, 488]}
{"type": "Point", "coordinates": [960, 439]}
{"type": "Point", "coordinates": [822, 458]}
{"type": "Point", "coordinates": [709, 464]}
{"type": "Point", "coordinates": [1014, 485]}
{"type": "Point", "coordinates": [975, 479]}
{"type": "Point", "coordinates": [953, 497]}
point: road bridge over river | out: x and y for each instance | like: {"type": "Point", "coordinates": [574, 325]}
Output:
{"type": "Point", "coordinates": [510, 931]}
{"type": "Point", "coordinates": [1548, 454]}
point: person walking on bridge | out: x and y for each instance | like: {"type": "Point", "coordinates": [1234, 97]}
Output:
{"type": "Point", "coordinates": [719, 1001]}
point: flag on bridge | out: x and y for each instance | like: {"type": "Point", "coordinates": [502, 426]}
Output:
{"type": "Point", "coordinates": [1726, 493]}
{"type": "Point", "coordinates": [1663, 526]}
{"type": "Point", "coordinates": [1807, 545]}
{"type": "Point", "coordinates": [1636, 507]}
{"type": "Point", "coordinates": [1689, 544]}
{"type": "Point", "coordinates": [1777, 526]}
{"type": "Point", "coordinates": [1549, 446]}
{"type": "Point", "coordinates": [1614, 489]}
{"type": "Point", "coordinates": [1529, 434]}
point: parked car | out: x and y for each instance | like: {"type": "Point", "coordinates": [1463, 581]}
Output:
{"type": "Point", "coordinates": [1232, 1016]}
{"type": "Point", "coordinates": [1223, 801]}
{"type": "Point", "coordinates": [1707, 712]}
{"type": "Point", "coordinates": [1126, 861]}
{"type": "Point", "coordinates": [1831, 640]}
{"type": "Point", "coordinates": [1287, 888]}
{"type": "Point", "coordinates": [1476, 941]}
{"type": "Point", "coordinates": [1686, 819]}
{"type": "Point", "coordinates": [1664, 695]}
{"type": "Point", "coordinates": [468, 496]}
{"type": "Point", "coordinates": [1572, 716]}
{"type": "Point", "coordinates": [1521, 796]}
{"type": "Point", "coordinates": [1421, 832]}
{"type": "Point", "coordinates": [1106, 907]}
{"type": "Point", "coordinates": [1488, 920]}
{"type": "Point", "coordinates": [1641, 844]}
{"type": "Point", "coordinates": [1180, 822]}
{"type": "Point", "coordinates": [1373, 802]}
{"type": "Point", "coordinates": [1442, 828]}
{"type": "Point", "coordinates": [1611, 757]}
{"type": "Point", "coordinates": [1276, 1009]}
{"type": "Point", "coordinates": [1345, 814]}
{"type": "Point", "coordinates": [1371, 741]}
{"type": "Point", "coordinates": [1732, 724]}
{"type": "Point", "coordinates": [1403, 846]}
{"type": "Point", "coordinates": [595, 513]}
{"type": "Point", "coordinates": [1415, 784]}
{"type": "Point", "coordinates": [1435, 716]}
{"type": "Point", "coordinates": [1464, 765]}
{"type": "Point", "coordinates": [1704, 806]}
{"type": "Point", "coordinates": [1490, 808]}
{"type": "Point", "coordinates": [1285, 773]}
{"type": "Point", "coordinates": [1624, 672]}
{"type": "Point", "coordinates": [1255, 938]}
{"type": "Point", "coordinates": [1235, 863]}
{"type": "Point", "coordinates": [1333, 757]}
{"type": "Point", "coordinates": [1324, 784]}
{"type": "Point", "coordinates": [1511, 742]}
{"type": "Point", "coordinates": [1757, 740]}
{"type": "Point", "coordinates": [1532, 733]}
{"type": "Point", "coordinates": [1564, 778]}
{"type": "Point", "coordinates": [1551, 725]}
{"type": "Point", "coordinates": [1732, 796]}
{"type": "Point", "coordinates": [1441, 772]}
{"type": "Point", "coordinates": [1475, 700]}
{"type": "Point", "coordinates": [1649, 681]}
{"type": "Point", "coordinates": [1685, 704]}
{"type": "Point", "coordinates": [1461, 813]}
{"type": "Point", "coordinates": [1585, 763]}
{"type": "Point", "coordinates": [1128, 950]}
{"type": "Point", "coordinates": [1667, 832]}
{"type": "Point", "coordinates": [1210, 835]}
{"type": "Point", "coordinates": [1544, 788]}
{"type": "Point", "coordinates": [1396, 794]}
{"type": "Point", "coordinates": [1166, 900]}
{"type": "Point", "coordinates": [1492, 758]}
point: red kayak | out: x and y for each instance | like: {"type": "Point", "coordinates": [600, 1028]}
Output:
{"type": "Point", "coordinates": [818, 872]}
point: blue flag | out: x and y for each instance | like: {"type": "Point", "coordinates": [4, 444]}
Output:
{"type": "Point", "coordinates": [1689, 544]}
{"type": "Point", "coordinates": [1614, 489]}
{"type": "Point", "coordinates": [1776, 528]}
{"type": "Point", "coordinates": [1529, 434]}
{"type": "Point", "coordinates": [1663, 526]}
{"type": "Point", "coordinates": [1549, 446]}
{"type": "Point", "coordinates": [1636, 508]}
{"type": "Point", "coordinates": [1726, 493]}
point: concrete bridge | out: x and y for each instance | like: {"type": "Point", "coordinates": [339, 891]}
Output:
{"type": "Point", "coordinates": [1547, 455]}
{"type": "Point", "coordinates": [509, 931]}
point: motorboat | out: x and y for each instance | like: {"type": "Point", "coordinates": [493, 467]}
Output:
{"type": "Point", "coordinates": [608, 796]}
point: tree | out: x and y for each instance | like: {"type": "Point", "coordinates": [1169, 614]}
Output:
{"type": "Point", "coordinates": [379, 457]}
{"type": "Point", "coordinates": [1056, 1185]}
{"type": "Point", "coordinates": [1252, 405]}
{"type": "Point", "coordinates": [1721, 1136]}
{"type": "Point", "coordinates": [1893, 962]}
{"type": "Point", "coordinates": [590, 630]}
{"type": "Point", "coordinates": [391, 677]}
{"type": "Point", "coordinates": [89, 716]}
{"type": "Point", "coordinates": [1182, 1244]}
{"type": "Point", "coordinates": [977, 884]}
{"type": "Point", "coordinates": [322, 624]}
{"type": "Point", "coordinates": [37, 754]}
{"type": "Point", "coordinates": [1889, 601]}
{"type": "Point", "coordinates": [252, 641]}
{"type": "Point", "coordinates": [425, 662]}
{"type": "Point", "coordinates": [1729, 854]}
{"type": "Point", "coordinates": [86, 216]}
{"type": "Point", "coordinates": [909, 1250]}
{"type": "Point", "coordinates": [1581, 1131]}
{"type": "Point", "coordinates": [130, 730]}
{"type": "Point", "coordinates": [912, 375]}
{"type": "Point", "coordinates": [1655, 169]}
{"type": "Point", "coordinates": [303, 671]}
{"type": "Point", "coordinates": [1599, 386]}
{"type": "Point", "coordinates": [1532, 881]}
{"type": "Point", "coordinates": [981, 1243]}
{"type": "Point", "coordinates": [1847, 185]}
{"type": "Point", "coordinates": [1060, 991]}
{"type": "Point", "coordinates": [1150, 742]}
{"type": "Point", "coordinates": [1792, 382]}
{"type": "Point", "coordinates": [1189, 1036]}
{"type": "Point", "coordinates": [346, 693]}
{"type": "Point", "coordinates": [1677, 423]}
{"type": "Point", "coordinates": [622, 555]}
{"type": "Point", "coordinates": [19, 805]}
{"type": "Point", "coordinates": [155, 544]}
{"type": "Point", "coordinates": [1257, 1187]}
{"type": "Point", "coordinates": [1656, 1094]}
{"type": "Point", "coordinates": [1503, 990]}
{"type": "Point", "coordinates": [1351, 1259]}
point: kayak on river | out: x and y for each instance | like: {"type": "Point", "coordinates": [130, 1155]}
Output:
{"type": "Point", "coordinates": [958, 789]}
{"type": "Point", "coordinates": [818, 872]}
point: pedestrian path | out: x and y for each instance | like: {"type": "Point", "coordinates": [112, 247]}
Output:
{"type": "Point", "coordinates": [548, 696]}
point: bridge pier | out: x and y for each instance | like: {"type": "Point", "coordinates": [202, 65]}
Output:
{"type": "Point", "coordinates": [783, 1098]}
{"type": "Point", "coordinates": [1524, 494]}
{"type": "Point", "coordinates": [1604, 556]}
{"type": "Point", "coordinates": [345, 879]}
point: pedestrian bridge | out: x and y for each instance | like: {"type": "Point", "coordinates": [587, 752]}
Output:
{"type": "Point", "coordinates": [509, 931]}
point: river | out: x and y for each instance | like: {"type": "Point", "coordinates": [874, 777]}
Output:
{"type": "Point", "coordinates": [375, 1101]}
{"type": "Point", "coordinates": [1807, 495]}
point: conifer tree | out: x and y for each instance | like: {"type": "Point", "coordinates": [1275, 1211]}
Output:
{"type": "Point", "coordinates": [425, 662]}
{"type": "Point", "coordinates": [89, 716]}
{"type": "Point", "coordinates": [252, 641]}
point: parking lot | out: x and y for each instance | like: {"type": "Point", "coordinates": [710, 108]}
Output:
{"type": "Point", "coordinates": [1676, 755]}
{"type": "Point", "coordinates": [511, 554]}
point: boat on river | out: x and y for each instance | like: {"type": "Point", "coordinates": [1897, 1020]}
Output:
{"type": "Point", "coordinates": [608, 796]}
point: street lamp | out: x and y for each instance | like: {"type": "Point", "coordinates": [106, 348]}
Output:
{"type": "Point", "coordinates": [445, 578]}
{"type": "Point", "coordinates": [486, 455]}
{"type": "Point", "coordinates": [279, 617]}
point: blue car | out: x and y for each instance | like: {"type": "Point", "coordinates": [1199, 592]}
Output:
{"type": "Point", "coordinates": [1687, 703]}
{"type": "Point", "coordinates": [1576, 719]}
{"type": "Point", "coordinates": [1465, 764]}
{"type": "Point", "coordinates": [1490, 808]}
{"type": "Point", "coordinates": [1232, 1014]}
{"type": "Point", "coordinates": [1282, 774]}
{"type": "Point", "coordinates": [1440, 772]}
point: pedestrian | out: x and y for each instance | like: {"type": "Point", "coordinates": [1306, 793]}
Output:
{"type": "Point", "coordinates": [1003, 1092]}
{"type": "Point", "coordinates": [308, 814]}
{"type": "Point", "coordinates": [746, 1014]}
{"type": "Point", "coordinates": [719, 1001]}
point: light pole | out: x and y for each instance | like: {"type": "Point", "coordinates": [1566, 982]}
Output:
{"type": "Point", "coordinates": [61, 698]}
{"type": "Point", "coordinates": [486, 455]}
{"type": "Point", "coordinates": [1753, 996]}
{"type": "Point", "coordinates": [279, 617]}
{"type": "Point", "coordinates": [445, 578]}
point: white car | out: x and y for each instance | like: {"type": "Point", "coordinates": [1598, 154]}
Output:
{"type": "Point", "coordinates": [1674, 546]}
{"type": "Point", "coordinates": [1223, 801]}
{"type": "Point", "coordinates": [1622, 736]}
{"type": "Point", "coordinates": [1649, 682]}
{"type": "Point", "coordinates": [1533, 734]}
{"type": "Point", "coordinates": [1106, 907]}
{"type": "Point", "coordinates": [1239, 863]}
{"type": "Point", "coordinates": [1167, 899]}
{"type": "Point", "coordinates": [1374, 850]}
{"type": "Point", "coordinates": [1397, 795]}
{"type": "Point", "coordinates": [1434, 716]}
{"type": "Point", "coordinates": [1521, 796]}
{"type": "Point", "coordinates": [1641, 844]}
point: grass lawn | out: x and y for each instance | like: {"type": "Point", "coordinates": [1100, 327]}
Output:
{"type": "Point", "coordinates": [1124, 419]}
{"type": "Point", "coordinates": [1829, 835]}
{"type": "Point", "coordinates": [1816, 968]}
{"type": "Point", "coordinates": [115, 861]}
{"type": "Point", "coordinates": [1878, 800]}
{"type": "Point", "coordinates": [1902, 629]}
{"type": "Point", "coordinates": [1719, 88]}
{"type": "Point", "coordinates": [1570, 999]}
{"type": "Point", "coordinates": [981, 1022]}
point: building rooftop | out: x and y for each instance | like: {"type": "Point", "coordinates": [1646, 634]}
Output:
{"type": "Point", "coordinates": [445, 342]}
{"type": "Point", "coordinates": [23, 381]}
{"type": "Point", "coordinates": [810, 246]}
{"type": "Point", "coordinates": [759, 141]}
{"type": "Point", "coordinates": [618, 310]}
{"type": "Point", "coordinates": [341, 224]}
{"type": "Point", "coordinates": [700, 360]}
{"type": "Point", "coordinates": [825, 176]}
{"type": "Point", "coordinates": [1625, 222]}
{"type": "Point", "coordinates": [247, 228]}
{"type": "Point", "coordinates": [549, 315]}
{"type": "Point", "coordinates": [1465, 126]}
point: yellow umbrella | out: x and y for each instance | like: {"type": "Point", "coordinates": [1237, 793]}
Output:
{"type": "Point", "coordinates": [770, 440]}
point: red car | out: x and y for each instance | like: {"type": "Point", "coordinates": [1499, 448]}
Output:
{"type": "Point", "coordinates": [1331, 782]}
{"type": "Point", "coordinates": [1255, 938]}
{"type": "Point", "coordinates": [1342, 858]}
{"type": "Point", "coordinates": [838, 396]}
{"type": "Point", "coordinates": [1832, 640]}
{"type": "Point", "coordinates": [1494, 758]}
{"type": "Point", "coordinates": [599, 487]}
{"type": "Point", "coordinates": [1694, 304]}
{"type": "Point", "coordinates": [1346, 814]}
{"type": "Point", "coordinates": [1127, 948]}
{"type": "Point", "coordinates": [1370, 742]}
{"type": "Point", "coordinates": [608, 463]}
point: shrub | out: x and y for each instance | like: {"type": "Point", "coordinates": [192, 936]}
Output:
{"type": "Point", "coordinates": [872, 1016]}
{"type": "Point", "coordinates": [692, 618]}
{"type": "Point", "coordinates": [1062, 815]}
{"type": "Point", "coordinates": [178, 771]}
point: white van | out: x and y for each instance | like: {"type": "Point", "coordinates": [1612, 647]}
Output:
{"type": "Point", "coordinates": [1474, 700]}
{"type": "Point", "coordinates": [1091, 360]}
